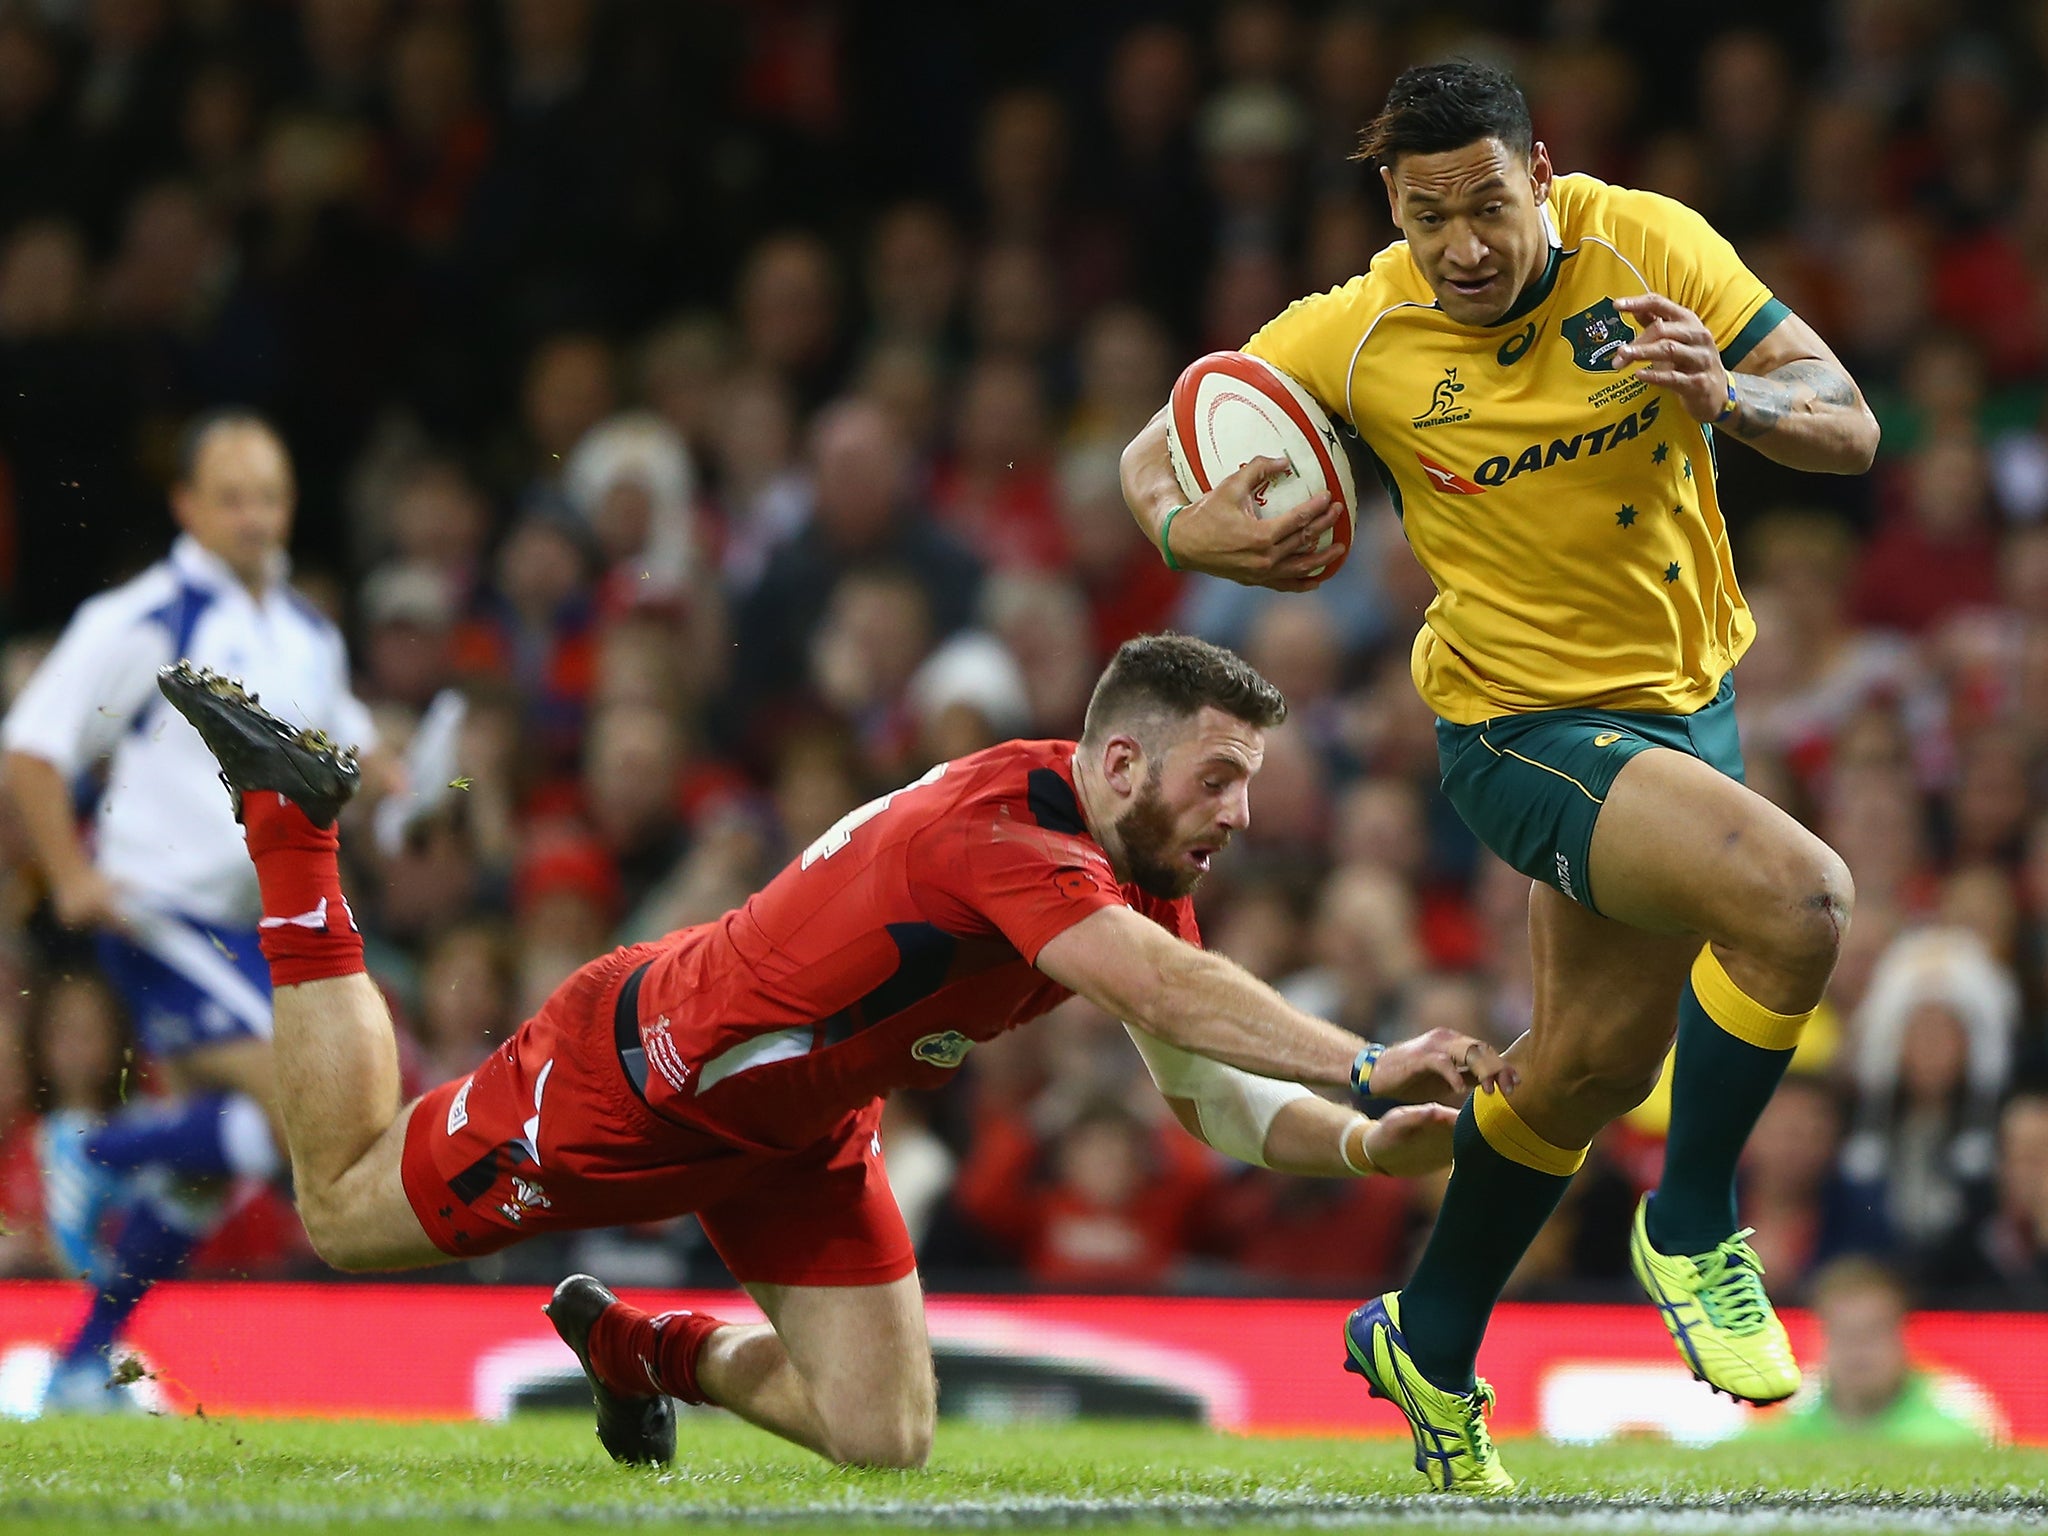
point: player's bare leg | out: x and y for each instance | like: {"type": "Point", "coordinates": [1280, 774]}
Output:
{"type": "Point", "coordinates": [1604, 1012]}
{"type": "Point", "coordinates": [334, 1046]}
{"type": "Point", "coordinates": [1682, 848]}
{"type": "Point", "coordinates": [1680, 853]}
{"type": "Point", "coordinates": [337, 1072]}
{"type": "Point", "coordinates": [845, 1371]}
{"type": "Point", "coordinates": [1689, 850]}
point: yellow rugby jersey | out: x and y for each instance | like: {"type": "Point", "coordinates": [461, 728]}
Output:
{"type": "Point", "coordinates": [1566, 512]}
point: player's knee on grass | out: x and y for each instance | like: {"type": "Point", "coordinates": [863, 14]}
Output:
{"type": "Point", "coordinates": [902, 1441]}
{"type": "Point", "coordinates": [864, 1432]}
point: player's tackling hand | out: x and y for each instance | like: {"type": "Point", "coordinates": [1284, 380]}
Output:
{"type": "Point", "coordinates": [1223, 534]}
{"type": "Point", "coordinates": [1438, 1067]}
{"type": "Point", "coordinates": [1679, 351]}
{"type": "Point", "coordinates": [1412, 1140]}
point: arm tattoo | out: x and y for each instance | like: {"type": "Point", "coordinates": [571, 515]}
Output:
{"type": "Point", "coordinates": [1763, 402]}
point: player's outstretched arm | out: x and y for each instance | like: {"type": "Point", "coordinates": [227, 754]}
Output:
{"type": "Point", "coordinates": [1323, 1140]}
{"type": "Point", "coordinates": [1285, 1127]}
{"type": "Point", "coordinates": [1133, 969]}
{"type": "Point", "coordinates": [1222, 534]}
{"type": "Point", "coordinates": [1790, 398]}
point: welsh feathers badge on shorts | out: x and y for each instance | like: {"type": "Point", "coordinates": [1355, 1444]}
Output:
{"type": "Point", "coordinates": [1595, 332]}
{"type": "Point", "coordinates": [948, 1048]}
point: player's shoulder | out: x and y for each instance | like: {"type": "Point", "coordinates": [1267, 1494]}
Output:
{"type": "Point", "coordinates": [1020, 793]}
{"type": "Point", "coordinates": [1038, 775]}
{"type": "Point", "coordinates": [1633, 221]}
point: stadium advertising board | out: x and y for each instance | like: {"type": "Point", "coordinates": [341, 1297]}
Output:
{"type": "Point", "coordinates": [1262, 1367]}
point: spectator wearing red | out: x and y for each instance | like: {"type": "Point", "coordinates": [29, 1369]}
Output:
{"type": "Point", "coordinates": [1937, 554]}
{"type": "Point", "coordinates": [1108, 1201]}
{"type": "Point", "coordinates": [995, 490]}
{"type": "Point", "coordinates": [1319, 1235]}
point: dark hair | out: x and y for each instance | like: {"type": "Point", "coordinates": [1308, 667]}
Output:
{"type": "Point", "coordinates": [1437, 107]}
{"type": "Point", "coordinates": [1171, 677]}
{"type": "Point", "coordinates": [192, 439]}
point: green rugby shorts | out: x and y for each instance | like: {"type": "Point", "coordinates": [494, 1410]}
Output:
{"type": "Point", "coordinates": [1531, 786]}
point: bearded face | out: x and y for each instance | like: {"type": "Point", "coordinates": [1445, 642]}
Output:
{"type": "Point", "coordinates": [1166, 857]}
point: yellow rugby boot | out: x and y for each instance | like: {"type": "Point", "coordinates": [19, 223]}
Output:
{"type": "Point", "coordinates": [1453, 1451]}
{"type": "Point", "coordinates": [1714, 1305]}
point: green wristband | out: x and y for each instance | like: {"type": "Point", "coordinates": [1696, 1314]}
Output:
{"type": "Point", "coordinates": [1166, 536]}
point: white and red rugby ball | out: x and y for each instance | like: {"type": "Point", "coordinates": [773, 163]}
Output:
{"type": "Point", "coordinates": [1229, 408]}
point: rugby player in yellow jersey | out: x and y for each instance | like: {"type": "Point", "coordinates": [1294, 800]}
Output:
{"type": "Point", "coordinates": [1542, 370]}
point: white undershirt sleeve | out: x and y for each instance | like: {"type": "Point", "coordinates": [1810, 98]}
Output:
{"type": "Point", "coordinates": [1236, 1108]}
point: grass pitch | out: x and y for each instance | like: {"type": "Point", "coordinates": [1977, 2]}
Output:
{"type": "Point", "coordinates": [547, 1473]}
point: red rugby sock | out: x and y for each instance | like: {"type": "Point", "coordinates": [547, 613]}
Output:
{"type": "Point", "coordinates": [632, 1351]}
{"type": "Point", "coordinates": [307, 932]}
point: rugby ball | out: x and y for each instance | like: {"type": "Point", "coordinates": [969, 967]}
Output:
{"type": "Point", "coordinates": [1229, 408]}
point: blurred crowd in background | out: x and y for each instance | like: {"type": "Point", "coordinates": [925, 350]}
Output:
{"type": "Point", "coordinates": [726, 396]}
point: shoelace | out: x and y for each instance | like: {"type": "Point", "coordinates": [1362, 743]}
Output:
{"type": "Point", "coordinates": [1732, 1287]}
{"type": "Point", "coordinates": [1475, 1409]}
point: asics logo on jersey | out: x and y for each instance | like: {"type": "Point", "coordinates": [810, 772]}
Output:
{"type": "Point", "coordinates": [1512, 349]}
{"type": "Point", "coordinates": [946, 1049]}
{"type": "Point", "coordinates": [1500, 468]}
{"type": "Point", "coordinates": [1443, 403]}
{"type": "Point", "coordinates": [1606, 738]}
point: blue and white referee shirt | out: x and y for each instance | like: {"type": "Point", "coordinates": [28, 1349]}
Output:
{"type": "Point", "coordinates": [166, 833]}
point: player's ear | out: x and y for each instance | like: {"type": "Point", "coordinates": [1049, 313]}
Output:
{"type": "Point", "coordinates": [1123, 764]}
{"type": "Point", "coordinates": [1540, 171]}
{"type": "Point", "coordinates": [1393, 195]}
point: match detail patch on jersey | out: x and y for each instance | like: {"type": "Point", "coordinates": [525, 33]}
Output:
{"type": "Point", "coordinates": [1596, 333]}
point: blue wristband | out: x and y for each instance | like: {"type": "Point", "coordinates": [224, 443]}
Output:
{"type": "Point", "coordinates": [1728, 409]}
{"type": "Point", "coordinates": [1361, 1069]}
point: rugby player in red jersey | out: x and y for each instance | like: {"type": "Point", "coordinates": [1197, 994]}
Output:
{"type": "Point", "coordinates": [736, 1069]}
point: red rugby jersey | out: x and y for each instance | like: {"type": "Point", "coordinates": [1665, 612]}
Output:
{"type": "Point", "coordinates": [877, 959]}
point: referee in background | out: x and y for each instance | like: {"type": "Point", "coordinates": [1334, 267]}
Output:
{"type": "Point", "coordinates": [163, 882]}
